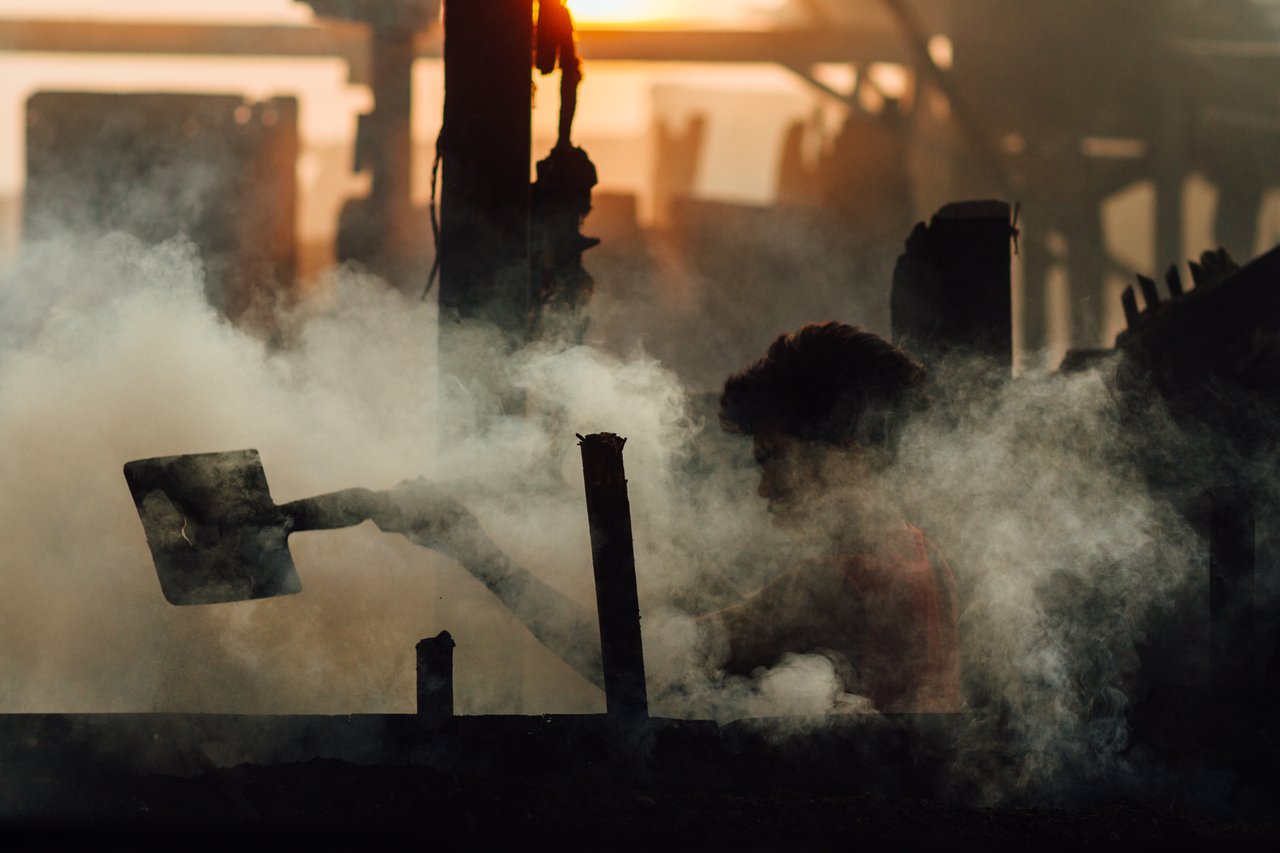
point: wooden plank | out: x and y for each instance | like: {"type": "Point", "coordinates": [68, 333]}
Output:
{"type": "Point", "coordinates": [798, 46]}
{"type": "Point", "coordinates": [68, 36]}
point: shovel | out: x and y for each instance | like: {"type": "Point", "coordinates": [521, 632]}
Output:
{"type": "Point", "coordinates": [215, 533]}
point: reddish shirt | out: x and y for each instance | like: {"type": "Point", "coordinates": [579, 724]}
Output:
{"type": "Point", "coordinates": [889, 611]}
{"type": "Point", "coordinates": [907, 656]}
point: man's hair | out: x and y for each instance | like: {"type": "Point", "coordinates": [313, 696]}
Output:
{"type": "Point", "coordinates": [823, 382]}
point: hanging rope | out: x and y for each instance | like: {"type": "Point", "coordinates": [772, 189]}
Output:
{"type": "Point", "coordinates": [433, 211]}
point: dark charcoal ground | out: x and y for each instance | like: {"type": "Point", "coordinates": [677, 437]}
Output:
{"type": "Point", "coordinates": [330, 804]}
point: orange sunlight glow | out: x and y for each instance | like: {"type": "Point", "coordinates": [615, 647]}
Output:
{"type": "Point", "coordinates": [673, 14]}
{"type": "Point", "coordinates": [621, 11]}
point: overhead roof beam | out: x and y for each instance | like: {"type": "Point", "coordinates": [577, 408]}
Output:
{"type": "Point", "coordinates": [790, 47]}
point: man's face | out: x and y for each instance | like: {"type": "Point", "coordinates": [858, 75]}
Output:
{"type": "Point", "coordinates": [809, 484]}
{"type": "Point", "coordinates": [790, 472]}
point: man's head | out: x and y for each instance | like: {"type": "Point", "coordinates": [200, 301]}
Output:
{"type": "Point", "coordinates": [822, 388]}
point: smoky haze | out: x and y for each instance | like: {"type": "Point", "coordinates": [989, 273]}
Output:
{"type": "Point", "coordinates": [1068, 562]}
{"type": "Point", "coordinates": [111, 353]}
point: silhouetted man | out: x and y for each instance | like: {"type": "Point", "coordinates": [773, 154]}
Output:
{"type": "Point", "coordinates": [822, 407]}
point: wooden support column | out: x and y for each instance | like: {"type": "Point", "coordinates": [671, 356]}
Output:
{"type": "Point", "coordinates": [484, 243]}
{"type": "Point", "coordinates": [1086, 272]}
{"type": "Point", "coordinates": [389, 148]}
{"type": "Point", "coordinates": [614, 561]}
{"type": "Point", "coordinates": [383, 231]}
{"type": "Point", "coordinates": [484, 193]}
{"type": "Point", "coordinates": [1037, 264]}
{"type": "Point", "coordinates": [1170, 158]}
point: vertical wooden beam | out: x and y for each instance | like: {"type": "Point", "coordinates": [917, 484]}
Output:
{"type": "Point", "coordinates": [484, 239]}
{"type": "Point", "coordinates": [1086, 271]}
{"type": "Point", "coordinates": [1170, 158]}
{"type": "Point", "coordinates": [484, 205]}
{"type": "Point", "coordinates": [613, 558]}
{"type": "Point", "coordinates": [1037, 264]}
{"type": "Point", "coordinates": [391, 67]}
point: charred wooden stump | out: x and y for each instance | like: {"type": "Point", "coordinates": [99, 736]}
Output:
{"type": "Point", "coordinates": [435, 678]}
{"type": "Point", "coordinates": [614, 562]}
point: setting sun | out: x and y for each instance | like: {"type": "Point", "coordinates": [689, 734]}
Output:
{"type": "Point", "coordinates": [677, 13]}
{"type": "Point", "coordinates": [620, 11]}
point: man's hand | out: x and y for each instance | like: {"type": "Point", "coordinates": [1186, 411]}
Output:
{"type": "Point", "coordinates": [429, 517]}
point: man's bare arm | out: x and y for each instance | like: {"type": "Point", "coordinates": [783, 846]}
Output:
{"type": "Point", "coordinates": [805, 608]}
{"type": "Point", "coordinates": [428, 517]}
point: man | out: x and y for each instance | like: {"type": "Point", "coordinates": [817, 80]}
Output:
{"type": "Point", "coordinates": [879, 600]}
{"type": "Point", "coordinates": [821, 407]}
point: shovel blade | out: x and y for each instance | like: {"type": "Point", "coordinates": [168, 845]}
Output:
{"type": "Point", "coordinates": [214, 532]}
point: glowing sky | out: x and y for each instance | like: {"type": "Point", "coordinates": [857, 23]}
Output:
{"type": "Point", "coordinates": [670, 12]}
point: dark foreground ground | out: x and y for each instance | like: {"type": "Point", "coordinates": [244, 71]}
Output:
{"type": "Point", "coordinates": [332, 804]}
{"type": "Point", "coordinates": [181, 782]}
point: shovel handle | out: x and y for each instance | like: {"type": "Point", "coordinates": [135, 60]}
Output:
{"type": "Point", "coordinates": [344, 508]}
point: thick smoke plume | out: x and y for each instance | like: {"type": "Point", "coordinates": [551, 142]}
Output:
{"type": "Point", "coordinates": [1065, 558]}
{"type": "Point", "coordinates": [108, 352]}
{"type": "Point", "coordinates": [111, 354]}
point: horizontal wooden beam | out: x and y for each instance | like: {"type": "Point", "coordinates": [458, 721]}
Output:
{"type": "Point", "coordinates": [67, 36]}
{"type": "Point", "coordinates": [347, 41]}
{"type": "Point", "coordinates": [793, 47]}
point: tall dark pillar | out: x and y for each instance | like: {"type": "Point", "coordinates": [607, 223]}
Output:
{"type": "Point", "coordinates": [484, 202]}
{"type": "Point", "coordinates": [484, 246]}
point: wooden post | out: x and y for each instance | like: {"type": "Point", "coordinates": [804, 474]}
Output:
{"type": "Point", "coordinates": [435, 677]}
{"type": "Point", "coordinates": [484, 241]}
{"type": "Point", "coordinates": [613, 558]}
{"type": "Point", "coordinates": [389, 150]}
{"type": "Point", "coordinates": [485, 147]}
{"type": "Point", "coordinates": [383, 231]}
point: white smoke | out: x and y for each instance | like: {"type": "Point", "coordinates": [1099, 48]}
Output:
{"type": "Point", "coordinates": [110, 353]}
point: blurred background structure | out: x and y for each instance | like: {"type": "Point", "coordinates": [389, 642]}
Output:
{"type": "Point", "coordinates": [760, 163]}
